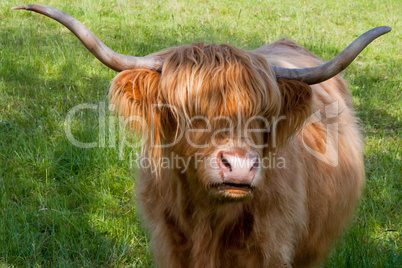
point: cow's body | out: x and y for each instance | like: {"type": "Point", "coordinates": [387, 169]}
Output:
{"type": "Point", "coordinates": [293, 217]}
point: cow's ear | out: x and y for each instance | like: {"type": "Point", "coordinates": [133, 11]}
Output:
{"type": "Point", "coordinates": [296, 108]}
{"type": "Point", "coordinates": [133, 92]}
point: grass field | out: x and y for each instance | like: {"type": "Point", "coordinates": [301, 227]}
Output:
{"type": "Point", "coordinates": [65, 206]}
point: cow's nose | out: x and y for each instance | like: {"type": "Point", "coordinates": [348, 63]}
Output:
{"type": "Point", "coordinates": [237, 168]}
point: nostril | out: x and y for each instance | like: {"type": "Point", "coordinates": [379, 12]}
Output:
{"type": "Point", "coordinates": [255, 165]}
{"type": "Point", "coordinates": [226, 163]}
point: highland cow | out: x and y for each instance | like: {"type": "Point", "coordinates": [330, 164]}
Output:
{"type": "Point", "coordinates": [271, 163]}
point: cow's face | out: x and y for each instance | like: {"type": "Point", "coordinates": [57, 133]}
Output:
{"type": "Point", "coordinates": [214, 113]}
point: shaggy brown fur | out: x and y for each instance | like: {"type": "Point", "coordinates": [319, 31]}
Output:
{"type": "Point", "coordinates": [295, 210]}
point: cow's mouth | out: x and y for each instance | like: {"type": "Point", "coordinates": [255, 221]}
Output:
{"type": "Point", "coordinates": [233, 190]}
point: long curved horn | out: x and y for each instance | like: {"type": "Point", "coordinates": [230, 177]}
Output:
{"type": "Point", "coordinates": [315, 75]}
{"type": "Point", "coordinates": [110, 58]}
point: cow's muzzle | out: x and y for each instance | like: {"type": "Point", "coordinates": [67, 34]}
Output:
{"type": "Point", "coordinates": [237, 171]}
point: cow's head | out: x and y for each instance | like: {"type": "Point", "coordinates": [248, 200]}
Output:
{"type": "Point", "coordinates": [215, 109]}
{"type": "Point", "coordinates": [214, 112]}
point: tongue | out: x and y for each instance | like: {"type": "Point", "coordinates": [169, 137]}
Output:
{"type": "Point", "coordinates": [234, 189]}
{"type": "Point", "coordinates": [237, 191]}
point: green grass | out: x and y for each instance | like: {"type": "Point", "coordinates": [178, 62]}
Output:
{"type": "Point", "coordinates": [64, 206]}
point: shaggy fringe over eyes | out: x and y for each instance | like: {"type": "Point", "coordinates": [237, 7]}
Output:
{"type": "Point", "coordinates": [212, 81]}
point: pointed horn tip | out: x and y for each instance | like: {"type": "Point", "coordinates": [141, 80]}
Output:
{"type": "Point", "coordinates": [387, 29]}
{"type": "Point", "coordinates": [382, 29]}
{"type": "Point", "coordinates": [19, 7]}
